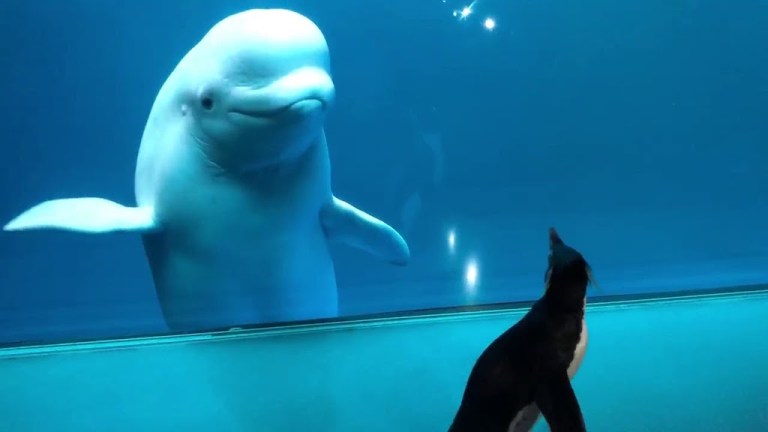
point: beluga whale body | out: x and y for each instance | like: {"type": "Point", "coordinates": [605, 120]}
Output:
{"type": "Point", "coordinates": [232, 182]}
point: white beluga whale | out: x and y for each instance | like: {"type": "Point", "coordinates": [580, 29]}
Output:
{"type": "Point", "coordinates": [233, 182]}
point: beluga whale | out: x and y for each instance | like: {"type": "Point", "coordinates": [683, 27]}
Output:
{"type": "Point", "coordinates": [233, 182]}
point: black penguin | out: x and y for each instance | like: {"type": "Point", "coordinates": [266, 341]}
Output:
{"type": "Point", "coordinates": [527, 370]}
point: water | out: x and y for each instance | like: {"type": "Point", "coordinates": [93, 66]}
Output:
{"type": "Point", "coordinates": [637, 128]}
{"type": "Point", "coordinates": [655, 366]}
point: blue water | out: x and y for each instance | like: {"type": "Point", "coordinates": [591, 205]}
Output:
{"type": "Point", "coordinates": [637, 128]}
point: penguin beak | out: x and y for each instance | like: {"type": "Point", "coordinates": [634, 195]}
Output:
{"type": "Point", "coordinates": [554, 238]}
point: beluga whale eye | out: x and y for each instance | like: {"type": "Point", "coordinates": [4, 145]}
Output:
{"type": "Point", "coordinates": [206, 102]}
{"type": "Point", "coordinates": [206, 97]}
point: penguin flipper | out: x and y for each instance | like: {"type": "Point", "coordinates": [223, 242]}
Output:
{"type": "Point", "coordinates": [525, 420]}
{"type": "Point", "coordinates": [558, 404]}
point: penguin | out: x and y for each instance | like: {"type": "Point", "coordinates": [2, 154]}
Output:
{"type": "Point", "coordinates": [526, 371]}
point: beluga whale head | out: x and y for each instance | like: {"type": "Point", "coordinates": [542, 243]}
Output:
{"type": "Point", "coordinates": [255, 90]}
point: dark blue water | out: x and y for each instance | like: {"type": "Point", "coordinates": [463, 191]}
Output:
{"type": "Point", "coordinates": [638, 128]}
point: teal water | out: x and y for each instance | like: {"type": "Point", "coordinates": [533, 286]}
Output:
{"type": "Point", "coordinates": [672, 365]}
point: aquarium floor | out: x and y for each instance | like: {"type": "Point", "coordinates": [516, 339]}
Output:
{"type": "Point", "coordinates": [674, 364]}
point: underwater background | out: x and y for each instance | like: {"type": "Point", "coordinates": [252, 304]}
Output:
{"type": "Point", "coordinates": [638, 128]}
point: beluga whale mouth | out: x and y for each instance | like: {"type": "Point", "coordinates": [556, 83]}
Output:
{"type": "Point", "coordinates": [302, 106]}
{"type": "Point", "coordinates": [302, 91]}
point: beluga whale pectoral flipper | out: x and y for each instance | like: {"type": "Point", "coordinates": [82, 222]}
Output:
{"type": "Point", "coordinates": [88, 215]}
{"type": "Point", "coordinates": [347, 224]}
{"type": "Point", "coordinates": [233, 182]}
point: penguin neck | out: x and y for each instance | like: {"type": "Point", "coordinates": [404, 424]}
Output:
{"type": "Point", "coordinates": [567, 303]}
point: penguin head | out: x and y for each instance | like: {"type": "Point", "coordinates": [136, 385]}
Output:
{"type": "Point", "coordinates": [568, 273]}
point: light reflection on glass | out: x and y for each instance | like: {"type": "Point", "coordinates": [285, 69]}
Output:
{"type": "Point", "coordinates": [471, 276]}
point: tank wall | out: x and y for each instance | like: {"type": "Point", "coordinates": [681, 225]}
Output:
{"type": "Point", "coordinates": [685, 365]}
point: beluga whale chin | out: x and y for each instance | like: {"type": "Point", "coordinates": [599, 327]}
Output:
{"type": "Point", "coordinates": [233, 182]}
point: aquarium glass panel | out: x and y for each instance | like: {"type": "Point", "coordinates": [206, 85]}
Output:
{"type": "Point", "coordinates": [186, 165]}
